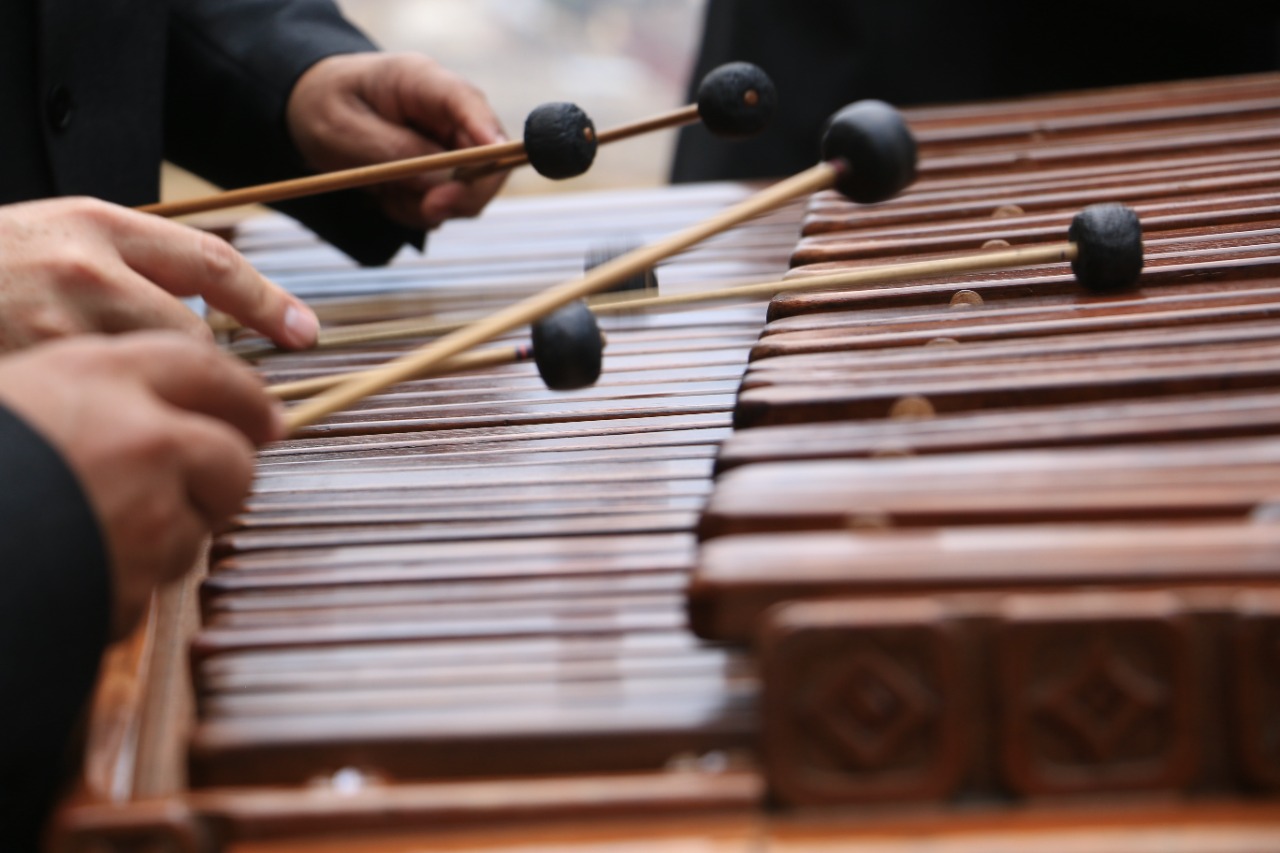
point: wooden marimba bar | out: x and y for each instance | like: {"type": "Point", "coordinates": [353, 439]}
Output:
{"type": "Point", "coordinates": [997, 550]}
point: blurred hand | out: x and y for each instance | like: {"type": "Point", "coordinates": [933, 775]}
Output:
{"type": "Point", "coordinates": [76, 265]}
{"type": "Point", "coordinates": [160, 430]}
{"type": "Point", "coordinates": [358, 109]}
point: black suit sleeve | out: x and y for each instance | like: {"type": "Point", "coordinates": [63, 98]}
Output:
{"type": "Point", "coordinates": [823, 54]}
{"type": "Point", "coordinates": [54, 621]}
{"type": "Point", "coordinates": [231, 67]}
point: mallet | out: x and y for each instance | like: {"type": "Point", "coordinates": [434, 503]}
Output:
{"type": "Point", "coordinates": [559, 141]}
{"type": "Point", "coordinates": [567, 347]}
{"type": "Point", "coordinates": [869, 155]}
{"type": "Point", "coordinates": [735, 101]}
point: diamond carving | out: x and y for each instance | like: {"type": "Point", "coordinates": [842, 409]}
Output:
{"type": "Point", "coordinates": [862, 702]}
{"type": "Point", "coordinates": [1098, 694]}
{"type": "Point", "coordinates": [868, 707]}
{"type": "Point", "coordinates": [1103, 702]}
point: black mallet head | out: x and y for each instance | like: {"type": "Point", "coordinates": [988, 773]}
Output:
{"type": "Point", "coordinates": [560, 140]}
{"type": "Point", "coordinates": [736, 100]}
{"type": "Point", "coordinates": [877, 148]}
{"type": "Point", "coordinates": [568, 347]}
{"type": "Point", "coordinates": [1108, 240]}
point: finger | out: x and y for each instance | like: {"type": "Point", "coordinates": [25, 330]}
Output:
{"type": "Point", "coordinates": [152, 532]}
{"type": "Point", "coordinates": [384, 142]}
{"type": "Point", "coordinates": [170, 552]}
{"type": "Point", "coordinates": [136, 304]}
{"type": "Point", "coordinates": [405, 208]}
{"type": "Point", "coordinates": [217, 466]}
{"type": "Point", "coordinates": [188, 262]}
{"type": "Point", "coordinates": [476, 194]}
{"type": "Point", "coordinates": [461, 198]}
{"type": "Point", "coordinates": [178, 547]}
{"type": "Point", "coordinates": [441, 202]}
{"type": "Point", "coordinates": [446, 106]}
{"type": "Point", "coordinates": [202, 379]}
{"type": "Point", "coordinates": [368, 138]}
{"type": "Point", "coordinates": [438, 203]}
{"type": "Point", "coordinates": [477, 122]}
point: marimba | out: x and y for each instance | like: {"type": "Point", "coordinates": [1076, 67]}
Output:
{"type": "Point", "coordinates": [984, 562]}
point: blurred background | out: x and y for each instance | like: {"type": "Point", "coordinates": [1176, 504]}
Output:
{"type": "Point", "coordinates": [619, 60]}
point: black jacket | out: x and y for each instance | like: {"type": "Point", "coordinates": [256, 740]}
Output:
{"type": "Point", "coordinates": [823, 54]}
{"type": "Point", "coordinates": [95, 93]}
{"type": "Point", "coordinates": [55, 595]}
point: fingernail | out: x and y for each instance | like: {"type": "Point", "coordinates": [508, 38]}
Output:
{"type": "Point", "coordinates": [499, 137]}
{"type": "Point", "coordinates": [301, 326]}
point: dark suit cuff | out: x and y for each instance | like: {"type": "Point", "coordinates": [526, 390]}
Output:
{"type": "Point", "coordinates": [55, 597]}
{"type": "Point", "coordinates": [231, 72]}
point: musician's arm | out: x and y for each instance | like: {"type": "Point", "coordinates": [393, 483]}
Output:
{"type": "Point", "coordinates": [232, 65]}
{"type": "Point", "coordinates": [55, 610]}
{"type": "Point", "coordinates": [261, 90]}
{"type": "Point", "coordinates": [118, 455]}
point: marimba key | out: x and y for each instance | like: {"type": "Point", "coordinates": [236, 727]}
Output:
{"type": "Point", "coordinates": [1152, 308]}
{"type": "Point", "coordinates": [799, 402]}
{"type": "Point", "coordinates": [1211, 479]}
{"type": "Point", "coordinates": [988, 198]}
{"type": "Point", "coordinates": [1115, 422]}
{"type": "Point", "coordinates": [737, 581]}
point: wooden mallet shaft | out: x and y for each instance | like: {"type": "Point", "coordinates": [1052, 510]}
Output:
{"type": "Point", "coordinates": [470, 163]}
{"type": "Point", "coordinates": [389, 330]}
{"type": "Point", "coordinates": [355, 334]}
{"type": "Point", "coordinates": [475, 360]}
{"type": "Point", "coordinates": [987, 260]}
{"type": "Point", "coordinates": [819, 177]}
{"type": "Point", "coordinates": [407, 327]}
{"type": "Point", "coordinates": [360, 176]}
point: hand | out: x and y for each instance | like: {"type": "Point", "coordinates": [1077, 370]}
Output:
{"type": "Point", "coordinates": [363, 108]}
{"type": "Point", "coordinates": [159, 429]}
{"type": "Point", "coordinates": [78, 265]}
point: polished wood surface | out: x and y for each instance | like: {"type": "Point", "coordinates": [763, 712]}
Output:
{"type": "Point", "coordinates": [995, 539]}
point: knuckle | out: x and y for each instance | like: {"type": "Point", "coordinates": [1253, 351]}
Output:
{"type": "Point", "coordinates": [91, 209]}
{"type": "Point", "coordinates": [220, 260]}
{"type": "Point", "coordinates": [157, 449]}
{"type": "Point", "coordinates": [78, 268]}
{"type": "Point", "coordinates": [153, 515]}
{"type": "Point", "coordinates": [51, 321]}
{"type": "Point", "coordinates": [418, 62]}
{"type": "Point", "coordinates": [393, 146]}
